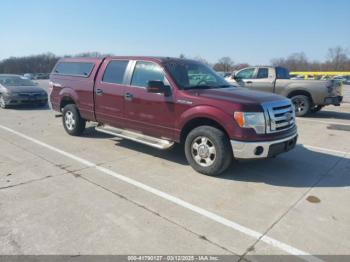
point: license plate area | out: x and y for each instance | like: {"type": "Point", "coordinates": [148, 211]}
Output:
{"type": "Point", "coordinates": [282, 147]}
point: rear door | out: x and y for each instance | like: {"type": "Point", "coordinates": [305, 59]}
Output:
{"type": "Point", "coordinates": [109, 92]}
{"type": "Point", "coordinates": [263, 80]}
{"type": "Point", "coordinates": [150, 113]}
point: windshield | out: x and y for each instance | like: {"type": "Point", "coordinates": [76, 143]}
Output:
{"type": "Point", "coordinates": [15, 81]}
{"type": "Point", "coordinates": [193, 75]}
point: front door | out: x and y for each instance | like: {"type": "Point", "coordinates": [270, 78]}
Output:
{"type": "Point", "coordinates": [149, 113]}
{"type": "Point", "coordinates": [264, 80]}
{"type": "Point", "coordinates": [244, 78]}
{"type": "Point", "coordinates": [109, 92]}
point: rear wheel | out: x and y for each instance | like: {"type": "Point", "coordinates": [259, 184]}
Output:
{"type": "Point", "coordinates": [302, 105]}
{"type": "Point", "coordinates": [2, 102]}
{"type": "Point", "coordinates": [208, 150]}
{"type": "Point", "coordinates": [72, 121]}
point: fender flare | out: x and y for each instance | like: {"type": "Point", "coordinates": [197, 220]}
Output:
{"type": "Point", "coordinates": [69, 93]}
{"type": "Point", "coordinates": [209, 112]}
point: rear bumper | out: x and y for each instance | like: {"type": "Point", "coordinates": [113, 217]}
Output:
{"type": "Point", "coordinates": [333, 100]}
{"type": "Point", "coordinates": [263, 149]}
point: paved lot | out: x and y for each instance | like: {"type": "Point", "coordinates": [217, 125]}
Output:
{"type": "Point", "coordinates": [347, 93]}
{"type": "Point", "coordinates": [98, 194]}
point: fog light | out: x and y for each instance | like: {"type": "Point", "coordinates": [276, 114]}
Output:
{"type": "Point", "coordinates": [259, 150]}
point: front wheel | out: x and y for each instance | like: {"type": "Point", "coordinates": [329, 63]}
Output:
{"type": "Point", "coordinates": [302, 105]}
{"type": "Point", "coordinates": [208, 150]}
{"type": "Point", "coordinates": [72, 121]}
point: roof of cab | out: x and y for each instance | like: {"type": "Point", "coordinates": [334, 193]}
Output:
{"type": "Point", "coordinates": [99, 59]}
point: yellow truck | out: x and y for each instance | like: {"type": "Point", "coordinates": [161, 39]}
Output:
{"type": "Point", "coordinates": [323, 75]}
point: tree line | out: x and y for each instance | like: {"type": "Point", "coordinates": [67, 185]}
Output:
{"type": "Point", "coordinates": [337, 59]}
{"type": "Point", "coordinates": [42, 63]}
{"type": "Point", "coordinates": [29, 64]}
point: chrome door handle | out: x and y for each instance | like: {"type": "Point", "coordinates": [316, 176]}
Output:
{"type": "Point", "coordinates": [128, 96]}
{"type": "Point", "coordinates": [99, 92]}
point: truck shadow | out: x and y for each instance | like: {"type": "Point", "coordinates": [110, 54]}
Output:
{"type": "Point", "coordinates": [90, 132]}
{"type": "Point", "coordinates": [299, 168]}
{"type": "Point", "coordinates": [330, 114]}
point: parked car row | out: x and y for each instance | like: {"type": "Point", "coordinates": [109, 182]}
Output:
{"type": "Point", "coordinates": [18, 90]}
{"type": "Point", "coordinates": [344, 79]}
{"type": "Point", "coordinates": [37, 76]}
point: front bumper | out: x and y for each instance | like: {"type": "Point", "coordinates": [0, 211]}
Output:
{"type": "Point", "coordinates": [15, 100]}
{"type": "Point", "coordinates": [264, 149]}
{"type": "Point", "coordinates": [333, 100]}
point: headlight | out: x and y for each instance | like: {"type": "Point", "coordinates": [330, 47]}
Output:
{"type": "Point", "coordinates": [255, 120]}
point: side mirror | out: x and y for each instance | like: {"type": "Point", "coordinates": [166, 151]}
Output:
{"type": "Point", "coordinates": [237, 78]}
{"type": "Point", "coordinates": [157, 87]}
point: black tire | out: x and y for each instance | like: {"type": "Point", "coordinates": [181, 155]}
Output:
{"type": "Point", "coordinates": [70, 114]}
{"type": "Point", "coordinates": [215, 138]}
{"type": "Point", "coordinates": [316, 109]}
{"type": "Point", "coordinates": [302, 105]}
{"type": "Point", "coordinates": [2, 102]}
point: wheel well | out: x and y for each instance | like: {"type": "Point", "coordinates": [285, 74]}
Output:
{"type": "Point", "coordinates": [66, 101]}
{"type": "Point", "coordinates": [202, 121]}
{"type": "Point", "coordinates": [300, 92]}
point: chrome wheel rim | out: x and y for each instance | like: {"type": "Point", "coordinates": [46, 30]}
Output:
{"type": "Point", "coordinates": [203, 151]}
{"type": "Point", "coordinates": [69, 120]}
{"type": "Point", "coordinates": [299, 105]}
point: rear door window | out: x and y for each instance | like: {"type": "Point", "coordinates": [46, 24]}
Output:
{"type": "Point", "coordinates": [145, 72]}
{"type": "Point", "coordinates": [262, 73]}
{"type": "Point", "coordinates": [74, 68]}
{"type": "Point", "coordinates": [282, 73]}
{"type": "Point", "coordinates": [115, 72]}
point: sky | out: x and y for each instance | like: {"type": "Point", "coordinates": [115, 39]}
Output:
{"type": "Point", "coordinates": [253, 31]}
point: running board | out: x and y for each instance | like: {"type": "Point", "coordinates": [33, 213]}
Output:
{"type": "Point", "coordinates": [137, 137]}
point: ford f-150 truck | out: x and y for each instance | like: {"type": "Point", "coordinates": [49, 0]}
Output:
{"type": "Point", "coordinates": [162, 101]}
{"type": "Point", "coordinates": [308, 96]}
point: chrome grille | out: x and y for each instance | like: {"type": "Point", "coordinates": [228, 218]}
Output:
{"type": "Point", "coordinates": [279, 115]}
{"type": "Point", "coordinates": [28, 94]}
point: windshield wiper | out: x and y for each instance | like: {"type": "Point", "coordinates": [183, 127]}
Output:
{"type": "Point", "coordinates": [224, 86]}
{"type": "Point", "coordinates": [207, 87]}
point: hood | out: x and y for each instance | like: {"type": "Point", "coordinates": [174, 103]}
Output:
{"type": "Point", "coordinates": [24, 89]}
{"type": "Point", "coordinates": [237, 95]}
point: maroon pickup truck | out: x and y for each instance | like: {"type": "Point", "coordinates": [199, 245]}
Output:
{"type": "Point", "coordinates": [161, 101]}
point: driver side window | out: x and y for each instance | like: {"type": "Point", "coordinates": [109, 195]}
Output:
{"type": "Point", "coordinates": [145, 72]}
{"type": "Point", "coordinates": [246, 73]}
